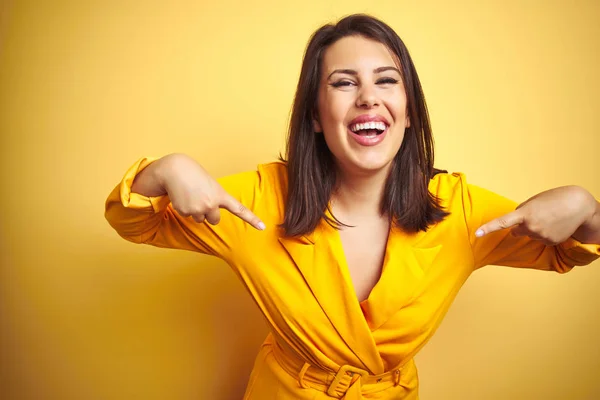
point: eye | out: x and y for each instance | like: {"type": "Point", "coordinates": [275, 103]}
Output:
{"type": "Point", "coordinates": [389, 81]}
{"type": "Point", "coordinates": [342, 83]}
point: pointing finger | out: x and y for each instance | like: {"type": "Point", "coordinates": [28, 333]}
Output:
{"type": "Point", "coordinates": [506, 221]}
{"type": "Point", "coordinates": [238, 209]}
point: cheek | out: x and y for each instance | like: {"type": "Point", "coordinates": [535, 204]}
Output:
{"type": "Point", "coordinates": [334, 110]}
{"type": "Point", "coordinates": [396, 102]}
{"type": "Point", "coordinates": [396, 105]}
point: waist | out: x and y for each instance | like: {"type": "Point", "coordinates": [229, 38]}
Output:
{"type": "Point", "coordinates": [348, 382]}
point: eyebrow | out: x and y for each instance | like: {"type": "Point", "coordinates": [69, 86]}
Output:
{"type": "Point", "coordinates": [353, 72]}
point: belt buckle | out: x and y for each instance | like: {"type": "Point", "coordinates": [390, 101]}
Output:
{"type": "Point", "coordinates": [344, 370]}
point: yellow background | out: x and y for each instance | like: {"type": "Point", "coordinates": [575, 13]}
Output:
{"type": "Point", "coordinates": [87, 87]}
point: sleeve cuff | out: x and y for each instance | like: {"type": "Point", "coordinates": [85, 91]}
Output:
{"type": "Point", "coordinates": [580, 253]}
{"type": "Point", "coordinates": [136, 200]}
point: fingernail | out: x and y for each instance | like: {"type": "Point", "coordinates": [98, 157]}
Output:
{"type": "Point", "coordinates": [479, 233]}
{"type": "Point", "coordinates": [261, 226]}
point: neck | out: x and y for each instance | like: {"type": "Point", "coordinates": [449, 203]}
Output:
{"type": "Point", "coordinates": [359, 195]}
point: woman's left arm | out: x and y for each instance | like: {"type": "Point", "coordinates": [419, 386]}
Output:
{"type": "Point", "coordinates": [552, 217]}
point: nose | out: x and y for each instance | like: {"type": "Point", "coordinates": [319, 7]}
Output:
{"type": "Point", "coordinates": [367, 97]}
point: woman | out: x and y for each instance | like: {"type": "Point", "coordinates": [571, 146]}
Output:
{"type": "Point", "coordinates": [361, 244]}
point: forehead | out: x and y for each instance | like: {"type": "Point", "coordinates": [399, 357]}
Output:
{"type": "Point", "coordinates": [357, 52]}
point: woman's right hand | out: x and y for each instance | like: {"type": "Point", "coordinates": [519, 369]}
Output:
{"type": "Point", "coordinates": [192, 191]}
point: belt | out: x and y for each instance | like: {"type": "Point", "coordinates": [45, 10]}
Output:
{"type": "Point", "coordinates": [348, 382]}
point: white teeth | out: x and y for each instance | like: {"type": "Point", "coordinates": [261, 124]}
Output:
{"type": "Point", "coordinates": [381, 126]}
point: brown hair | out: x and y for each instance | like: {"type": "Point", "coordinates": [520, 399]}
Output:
{"type": "Point", "coordinates": [310, 164]}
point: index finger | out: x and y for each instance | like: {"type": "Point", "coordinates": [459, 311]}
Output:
{"type": "Point", "coordinates": [506, 221]}
{"type": "Point", "coordinates": [236, 208]}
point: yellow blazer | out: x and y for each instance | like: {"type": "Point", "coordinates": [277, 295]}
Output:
{"type": "Point", "coordinates": [324, 343]}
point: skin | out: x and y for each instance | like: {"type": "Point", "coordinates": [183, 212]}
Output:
{"type": "Point", "coordinates": [192, 191]}
{"type": "Point", "coordinates": [551, 216]}
{"type": "Point", "coordinates": [361, 77]}
{"type": "Point", "coordinates": [343, 96]}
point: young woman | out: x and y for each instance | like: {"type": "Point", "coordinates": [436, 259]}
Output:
{"type": "Point", "coordinates": [354, 246]}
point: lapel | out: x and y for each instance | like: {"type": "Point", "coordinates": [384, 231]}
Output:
{"type": "Point", "coordinates": [318, 261]}
{"type": "Point", "coordinates": [403, 270]}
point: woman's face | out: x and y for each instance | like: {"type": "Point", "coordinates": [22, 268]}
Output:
{"type": "Point", "coordinates": [361, 105]}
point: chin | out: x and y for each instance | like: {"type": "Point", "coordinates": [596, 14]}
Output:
{"type": "Point", "coordinates": [371, 164]}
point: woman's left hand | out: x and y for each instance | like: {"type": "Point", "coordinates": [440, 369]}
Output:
{"type": "Point", "coordinates": [551, 216]}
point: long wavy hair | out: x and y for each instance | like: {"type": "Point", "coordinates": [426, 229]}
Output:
{"type": "Point", "coordinates": [311, 166]}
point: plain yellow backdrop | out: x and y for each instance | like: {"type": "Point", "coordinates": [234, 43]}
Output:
{"type": "Point", "coordinates": [87, 87]}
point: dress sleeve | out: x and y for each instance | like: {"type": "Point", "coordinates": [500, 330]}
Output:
{"type": "Point", "coordinates": [152, 220]}
{"type": "Point", "coordinates": [502, 248]}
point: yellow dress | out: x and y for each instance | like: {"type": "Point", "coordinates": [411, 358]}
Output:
{"type": "Point", "coordinates": [323, 343]}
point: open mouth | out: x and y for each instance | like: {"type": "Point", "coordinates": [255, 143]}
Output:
{"type": "Point", "coordinates": [369, 129]}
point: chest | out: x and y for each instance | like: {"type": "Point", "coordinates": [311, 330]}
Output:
{"type": "Point", "coordinates": [364, 250]}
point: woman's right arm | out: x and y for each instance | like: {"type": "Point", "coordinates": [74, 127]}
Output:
{"type": "Point", "coordinates": [165, 202]}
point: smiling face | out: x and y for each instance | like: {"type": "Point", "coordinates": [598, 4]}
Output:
{"type": "Point", "coordinates": [361, 105]}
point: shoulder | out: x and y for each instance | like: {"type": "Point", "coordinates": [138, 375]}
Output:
{"type": "Point", "coordinates": [449, 187]}
{"type": "Point", "coordinates": [267, 183]}
{"type": "Point", "coordinates": [272, 178]}
{"type": "Point", "coordinates": [455, 192]}
{"type": "Point", "coordinates": [273, 172]}
{"type": "Point", "coordinates": [447, 182]}
{"type": "Point", "coordinates": [265, 175]}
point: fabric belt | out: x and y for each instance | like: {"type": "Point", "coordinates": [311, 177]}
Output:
{"type": "Point", "coordinates": [348, 383]}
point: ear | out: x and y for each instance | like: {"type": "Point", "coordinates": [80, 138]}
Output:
{"type": "Point", "coordinates": [407, 122]}
{"type": "Point", "coordinates": [317, 126]}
